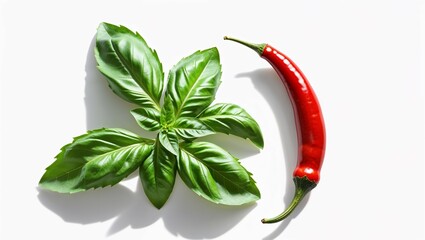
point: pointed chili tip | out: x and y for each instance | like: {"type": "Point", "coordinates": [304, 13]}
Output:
{"type": "Point", "coordinates": [302, 187]}
{"type": "Point", "coordinates": [259, 48]}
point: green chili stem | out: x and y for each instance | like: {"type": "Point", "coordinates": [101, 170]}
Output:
{"type": "Point", "coordinates": [259, 48]}
{"type": "Point", "coordinates": [302, 187]}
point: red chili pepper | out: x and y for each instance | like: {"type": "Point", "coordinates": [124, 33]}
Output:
{"type": "Point", "coordinates": [309, 123]}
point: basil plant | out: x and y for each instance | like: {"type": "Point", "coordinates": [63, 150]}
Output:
{"type": "Point", "coordinates": [179, 113]}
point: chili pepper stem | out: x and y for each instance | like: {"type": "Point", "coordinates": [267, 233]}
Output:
{"type": "Point", "coordinates": [259, 48]}
{"type": "Point", "coordinates": [302, 187]}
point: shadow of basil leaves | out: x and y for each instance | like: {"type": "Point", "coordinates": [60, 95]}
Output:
{"type": "Point", "coordinates": [92, 206]}
{"type": "Point", "coordinates": [185, 213]}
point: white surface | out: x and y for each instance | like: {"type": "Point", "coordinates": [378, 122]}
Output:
{"type": "Point", "coordinates": [364, 59]}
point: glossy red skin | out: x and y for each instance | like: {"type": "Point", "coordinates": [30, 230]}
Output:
{"type": "Point", "coordinates": [308, 115]}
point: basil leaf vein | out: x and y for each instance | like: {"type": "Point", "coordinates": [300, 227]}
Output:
{"type": "Point", "coordinates": [193, 82]}
{"type": "Point", "coordinates": [190, 128]}
{"type": "Point", "coordinates": [96, 159]}
{"type": "Point", "coordinates": [133, 70]}
{"type": "Point", "coordinates": [215, 175]}
{"type": "Point", "coordinates": [232, 119]}
{"type": "Point", "coordinates": [158, 174]}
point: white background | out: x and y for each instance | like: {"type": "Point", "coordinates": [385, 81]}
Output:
{"type": "Point", "coordinates": [364, 58]}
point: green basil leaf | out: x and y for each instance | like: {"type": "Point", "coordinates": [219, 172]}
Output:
{"type": "Point", "coordinates": [97, 159]}
{"type": "Point", "coordinates": [147, 118]}
{"type": "Point", "coordinates": [170, 141]}
{"type": "Point", "coordinates": [133, 70]}
{"type": "Point", "coordinates": [189, 128]}
{"type": "Point", "coordinates": [214, 174]}
{"type": "Point", "coordinates": [158, 174]}
{"type": "Point", "coordinates": [167, 114]}
{"type": "Point", "coordinates": [232, 119]}
{"type": "Point", "coordinates": [193, 82]}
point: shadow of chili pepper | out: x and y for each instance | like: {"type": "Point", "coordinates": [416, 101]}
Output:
{"type": "Point", "coordinates": [267, 82]}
